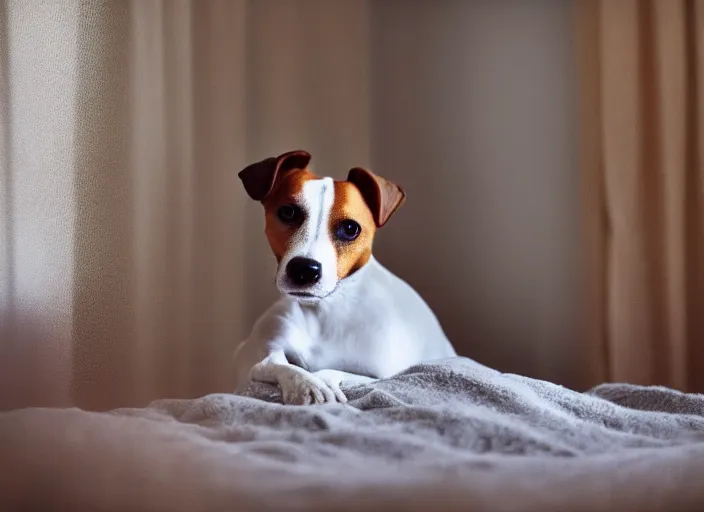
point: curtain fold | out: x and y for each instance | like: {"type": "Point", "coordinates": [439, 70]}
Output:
{"type": "Point", "coordinates": [641, 115]}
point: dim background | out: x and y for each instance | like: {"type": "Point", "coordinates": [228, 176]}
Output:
{"type": "Point", "coordinates": [131, 261]}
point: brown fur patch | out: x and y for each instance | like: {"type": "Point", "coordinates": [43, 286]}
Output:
{"type": "Point", "coordinates": [349, 204]}
{"type": "Point", "coordinates": [286, 190]}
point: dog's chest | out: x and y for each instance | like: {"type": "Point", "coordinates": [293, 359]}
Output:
{"type": "Point", "coordinates": [361, 341]}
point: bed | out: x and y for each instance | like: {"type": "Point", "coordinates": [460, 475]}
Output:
{"type": "Point", "coordinates": [444, 436]}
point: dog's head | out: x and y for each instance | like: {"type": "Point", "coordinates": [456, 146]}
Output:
{"type": "Point", "coordinates": [321, 231]}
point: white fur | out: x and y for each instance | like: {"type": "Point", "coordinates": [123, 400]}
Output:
{"type": "Point", "coordinates": [368, 326]}
{"type": "Point", "coordinates": [312, 240]}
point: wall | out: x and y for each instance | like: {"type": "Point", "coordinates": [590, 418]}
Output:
{"type": "Point", "coordinates": [474, 112]}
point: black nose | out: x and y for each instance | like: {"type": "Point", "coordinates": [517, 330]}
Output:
{"type": "Point", "coordinates": [303, 271]}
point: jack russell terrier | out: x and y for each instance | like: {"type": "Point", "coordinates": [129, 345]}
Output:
{"type": "Point", "coordinates": [342, 316]}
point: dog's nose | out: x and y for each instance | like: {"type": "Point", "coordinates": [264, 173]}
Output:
{"type": "Point", "coordinates": [304, 271]}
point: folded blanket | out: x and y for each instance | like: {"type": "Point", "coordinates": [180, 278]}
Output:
{"type": "Point", "coordinates": [460, 404]}
{"type": "Point", "coordinates": [447, 435]}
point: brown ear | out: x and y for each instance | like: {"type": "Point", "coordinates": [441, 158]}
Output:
{"type": "Point", "coordinates": [382, 197]}
{"type": "Point", "coordinates": [259, 178]}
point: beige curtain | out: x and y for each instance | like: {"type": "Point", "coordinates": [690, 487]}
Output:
{"type": "Point", "coordinates": [642, 117]}
{"type": "Point", "coordinates": [131, 263]}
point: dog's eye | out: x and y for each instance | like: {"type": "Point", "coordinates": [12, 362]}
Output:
{"type": "Point", "coordinates": [347, 230]}
{"type": "Point", "coordinates": [289, 213]}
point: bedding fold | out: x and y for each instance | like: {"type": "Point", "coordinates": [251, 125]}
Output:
{"type": "Point", "coordinates": [445, 435]}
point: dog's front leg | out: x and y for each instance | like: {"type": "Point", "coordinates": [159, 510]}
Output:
{"type": "Point", "coordinates": [298, 386]}
{"type": "Point", "coordinates": [335, 378]}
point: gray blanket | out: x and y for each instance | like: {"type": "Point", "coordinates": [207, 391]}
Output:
{"type": "Point", "coordinates": [461, 407]}
{"type": "Point", "coordinates": [449, 435]}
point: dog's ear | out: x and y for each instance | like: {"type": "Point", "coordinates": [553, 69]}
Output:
{"type": "Point", "coordinates": [382, 197]}
{"type": "Point", "coordinates": [259, 178]}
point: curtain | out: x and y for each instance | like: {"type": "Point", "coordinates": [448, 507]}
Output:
{"type": "Point", "coordinates": [131, 261]}
{"type": "Point", "coordinates": [641, 78]}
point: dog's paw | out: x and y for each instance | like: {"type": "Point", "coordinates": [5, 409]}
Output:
{"type": "Point", "coordinates": [300, 389]}
{"type": "Point", "coordinates": [333, 380]}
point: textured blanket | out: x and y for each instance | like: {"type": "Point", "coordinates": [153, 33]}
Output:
{"type": "Point", "coordinates": [451, 435]}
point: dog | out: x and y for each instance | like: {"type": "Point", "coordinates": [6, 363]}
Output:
{"type": "Point", "coordinates": [342, 316]}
